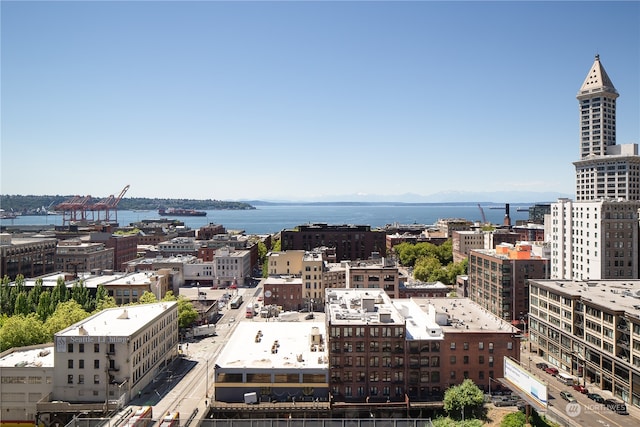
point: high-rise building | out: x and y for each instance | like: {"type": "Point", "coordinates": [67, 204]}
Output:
{"type": "Point", "coordinates": [596, 236]}
{"type": "Point", "coordinates": [604, 170]}
{"type": "Point", "coordinates": [594, 240]}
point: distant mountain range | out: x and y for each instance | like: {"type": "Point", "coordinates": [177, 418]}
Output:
{"type": "Point", "coordinates": [497, 197]}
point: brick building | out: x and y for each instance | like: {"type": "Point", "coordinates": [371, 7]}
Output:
{"type": "Point", "coordinates": [499, 279]}
{"type": "Point", "coordinates": [383, 350]}
{"type": "Point", "coordinates": [29, 256]}
{"type": "Point", "coordinates": [351, 242]}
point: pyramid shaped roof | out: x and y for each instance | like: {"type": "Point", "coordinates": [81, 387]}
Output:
{"type": "Point", "coordinates": [597, 79]}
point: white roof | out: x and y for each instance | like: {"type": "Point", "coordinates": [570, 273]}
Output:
{"type": "Point", "coordinates": [34, 357]}
{"type": "Point", "coordinates": [293, 339]}
{"type": "Point", "coordinates": [119, 321]}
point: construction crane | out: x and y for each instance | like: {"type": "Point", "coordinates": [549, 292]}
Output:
{"type": "Point", "coordinates": [484, 218]}
{"type": "Point", "coordinates": [77, 209]}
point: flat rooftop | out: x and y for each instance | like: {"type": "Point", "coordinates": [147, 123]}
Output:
{"type": "Point", "coordinates": [294, 346]}
{"type": "Point", "coordinates": [615, 295]}
{"type": "Point", "coordinates": [420, 324]}
{"type": "Point", "coordinates": [354, 306]}
{"type": "Point", "coordinates": [117, 322]}
{"type": "Point", "coordinates": [41, 357]}
{"type": "Point", "coordinates": [465, 315]}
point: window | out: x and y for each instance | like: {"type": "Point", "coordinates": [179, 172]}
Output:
{"type": "Point", "coordinates": [452, 375]}
{"type": "Point", "coordinates": [70, 348]}
{"type": "Point", "coordinates": [453, 346]}
{"type": "Point", "coordinates": [70, 364]}
{"type": "Point", "coordinates": [465, 346]}
{"type": "Point", "coordinates": [69, 379]}
{"type": "Point", "coordinates": [81, 347]}
{"type": "Point", "coordinates": [81, 364]}
{"type": "Point", "coordinates": [465, 360]}
{"type": "Point", "coordinates": [96, 364]}
{"type": "Point", "coordinates": [480, 345]}
{"type": "Point", "coordinates": [452, 360]}
{"type": "Point", "coordinates": [96, 348]}
{"type": "Point", "coordinates": [509, 345]}
{"type": "Point", "coordinates": [96, 379]}
{"type": "Point", "coordinates": [80, 379]}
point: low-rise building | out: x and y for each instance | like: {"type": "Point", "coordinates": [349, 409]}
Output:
{"type": "Point", "coordinates": [29, 256]}
{"type": "Point", "coordinates": [284, 291]}
{"type": "Point", "coordinates": [417, 289]}
{"type": "Point", "coordinates": [279, 362]}
{"type": "Point", "coordinates": [411, 349]}
{"type": "Point", "coordinates": [75, 256]}
{"type": "Point", "coordinates": [102, 361]}
{"type": "Point", "coordinates": [26, 376]}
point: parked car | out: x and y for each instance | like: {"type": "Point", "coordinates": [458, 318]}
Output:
{"type": "Point", "coordinates": [616, 406]}
{"type": "Point", "coordinates": [582, 389]}
{"type": "Point", "coordinates": [567, 396]}
{"type": "Point", "coordinates": [542, 365]}
{"type": "Point", "coordinates": [504, 401]}
{"type": "Point", "coordinates": [595, 397]}
{"type": "Point", "coordinates": [308, 316]}
{"type": "Point", "coordinates": [552, 371]}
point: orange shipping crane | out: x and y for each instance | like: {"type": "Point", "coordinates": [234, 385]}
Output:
{"type": "Point", "coordinates": [77, 208]}
{"type": "Point", "coordinates": [109, 206]}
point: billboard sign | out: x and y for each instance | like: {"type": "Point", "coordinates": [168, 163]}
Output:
{"type": "Point", "coordinates": [525, 381]}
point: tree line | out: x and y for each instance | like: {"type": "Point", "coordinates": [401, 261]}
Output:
{"type": "Point", "coordinates": [33, 316]}
{"type": "Point", "coordinates": [28, 204]}
{"type": "Point", "coordinates": [431, 263]}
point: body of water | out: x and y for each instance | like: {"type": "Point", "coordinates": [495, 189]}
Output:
{"type": "Point", "coordinates": [275, 218]}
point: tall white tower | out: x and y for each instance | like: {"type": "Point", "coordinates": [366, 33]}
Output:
{"type": "Point", "coordinates": [605, 170]}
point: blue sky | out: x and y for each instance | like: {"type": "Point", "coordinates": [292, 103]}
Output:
{"type": "Point", "coordinates": [299, 100]}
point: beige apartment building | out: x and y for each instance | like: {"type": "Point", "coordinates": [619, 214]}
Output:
{"type": "Point", "coordinates": [590, 329]}
{"type": "Point", "coordinates": [104, 360]}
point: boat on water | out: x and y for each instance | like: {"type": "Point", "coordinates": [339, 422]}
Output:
{"type": "Point", "coordinates": [180, 212]}
{"type": "Point", "coordinates": [8, 214]}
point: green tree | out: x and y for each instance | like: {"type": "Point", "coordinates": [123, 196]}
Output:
{"type": "Point", "coordinates": [449, 422]}
{"type": "Point", "coordinates": [430, 269]}
{"type": "Point", "coordinates": [5, 296]}
{"type": "Point", "coordinates": [59, 293]}
{"type": "Point", "coordinates": [34, 294]}
{"type": "Point", "coordinates": [103, 300]}
{"type": "Point", "coordinates": [22, 304]}
{"type": "Point", "coordinates": [66, 314]}
{"type": "Point", "coordinates": [514, 419]}
{"type": "Point", "coordinates": [463, 398]}
{"type": "Point", "coordinates": [187, 313]}
{"type": "Point", "coordinates": [44, 308]}
{"type": "Point", "coordinates": [20, 330]}
{"type": "Point", "coordinates": [80, 294]}
{"type": "Point", "coordinates": [262, 252]}
{"type": "Point", "coordinates": [147, 298]}
{"type": "Point", "coordinates": [277, 246]}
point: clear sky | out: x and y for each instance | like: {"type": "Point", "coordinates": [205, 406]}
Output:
{"type": "Point", "coordinates": [296, 100]}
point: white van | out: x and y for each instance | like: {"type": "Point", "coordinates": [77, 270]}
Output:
{"type": "Point", "coordinates": [566, 379]}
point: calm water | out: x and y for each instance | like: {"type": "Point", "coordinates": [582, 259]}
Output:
{"type": "Point", "coordinates": [271, 219]}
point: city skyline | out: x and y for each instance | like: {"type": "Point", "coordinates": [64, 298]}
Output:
{"type": "Point", "coordinates": [300, 100]}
